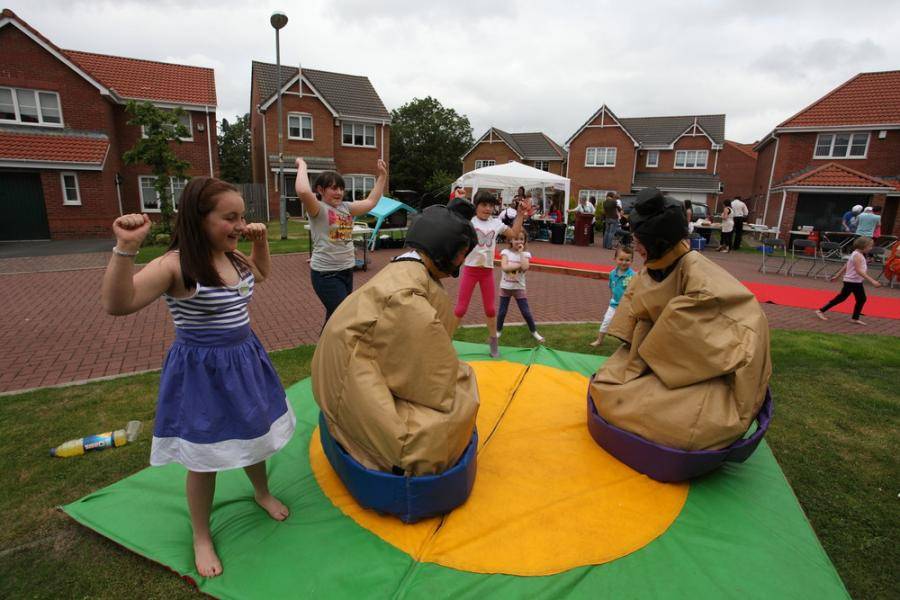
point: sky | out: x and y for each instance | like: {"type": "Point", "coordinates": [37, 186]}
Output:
{"type": "Point", "coordinates": [518, 65]}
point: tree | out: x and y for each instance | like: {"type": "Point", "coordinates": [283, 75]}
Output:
{"type": "Point", "coordinates": [234, 150]}
{"type": "Point", "coordinates": [426, 138]}
{"type": "Point", "coordinates": [154, 149]}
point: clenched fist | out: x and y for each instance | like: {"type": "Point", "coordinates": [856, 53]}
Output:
{"type": "Point", "coordinates": [255, 232]}
{"type": "Point", "coordinates": [130, 231]}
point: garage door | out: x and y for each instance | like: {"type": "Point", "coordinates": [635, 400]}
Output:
{"type": "Point", "coordinates": [23, 215]}
{"type": "Point", "coordinates": [824, 211]}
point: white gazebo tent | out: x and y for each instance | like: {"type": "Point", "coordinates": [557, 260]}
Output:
{"type": "Point", "coordinates": [508, 177]}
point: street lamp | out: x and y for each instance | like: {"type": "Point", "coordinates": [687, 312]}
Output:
{"type": "Point", "coordinates": [279, 20]}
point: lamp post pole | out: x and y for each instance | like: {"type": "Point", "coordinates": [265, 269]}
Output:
{"type": "Point", "coordinates": [279, 20]}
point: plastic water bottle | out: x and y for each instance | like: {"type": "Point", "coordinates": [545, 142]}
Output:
{"type": "Point", "coordinates": [110, 439]}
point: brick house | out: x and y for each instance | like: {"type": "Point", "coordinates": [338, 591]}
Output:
{"type": "Point", "coordinates": [737, 166]}
{"type": "Point", "coordinates": [679, 155]}
{"type": "Point", "coordinates": [533, 149]}
{"type": "Point", "coordinates": [332, 120]}
{"type": "Point", "coordinates": [841, 150]}
{"type": "Point", "coordinates": [63, 130]}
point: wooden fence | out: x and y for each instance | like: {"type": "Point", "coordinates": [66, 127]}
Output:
{"type": "Point", "coordinates": [254, 201]}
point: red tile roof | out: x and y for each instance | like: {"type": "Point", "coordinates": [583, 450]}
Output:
{"type": "Point", "coordinates": [867, 99]}
{"type": "Point", "coordinates": [149, 80]}
{"type": "Point", "coordinates": [75, 149]}
{"type": "Point", "coordinates": [835, 175]}
{"type": "Point", "coordinates": [137, 78]}
{"type": "Point", "coordinates": [745, 148]}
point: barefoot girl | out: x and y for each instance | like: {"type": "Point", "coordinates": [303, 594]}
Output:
{"type": "Point", "coordinates": [221, 404]}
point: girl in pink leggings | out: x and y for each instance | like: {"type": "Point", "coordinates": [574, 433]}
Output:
{"type": "Point", "coordinates": [479, 265]}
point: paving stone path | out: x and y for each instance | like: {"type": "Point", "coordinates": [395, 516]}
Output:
{"type": "Point", "coordinates": [56, 332]}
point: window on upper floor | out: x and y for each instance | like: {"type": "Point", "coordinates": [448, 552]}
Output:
{"type": "Point", "coordinates": [149, 197]}
{"type": "Point", "coordinates": [691, 159]}
{"type": "Point", "coordinates": [358, 134]}
{"type": "Point", "coordinates": [300, 126]}
{"type": "Point", "coordinates": [842, 145]}
{"type": "Point", "coordinates": [32, 107]}
{"type": "Point", "coordinates": [600, 157]}
{"type": "Point", "coordinates": [652, 158]}
{"type": "Point", "coordinates": [70, 192]}
{"type": "Point", "coordinates": [185, 120]}
{"type": "Point", "coordinates": [358, 187]}
{"type": "Point", "coordinates": [543, 165]}
{"type": "Point", "coordinates": [484, 163]}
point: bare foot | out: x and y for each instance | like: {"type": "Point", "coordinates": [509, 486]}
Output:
{"type": "Point", "coordinates": [272, 505]}
{"type": "Point", "coordinates": [821, 315]}
{"type": "Point", "coordinates": [206, 559]}
{"type": "Point", "coordinates": [596, 343]}
{"type": "Point", "coordinates": [856, 322]}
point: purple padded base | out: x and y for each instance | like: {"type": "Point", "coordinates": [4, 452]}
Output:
{"type": "Point", "coordinates": [670, 464]}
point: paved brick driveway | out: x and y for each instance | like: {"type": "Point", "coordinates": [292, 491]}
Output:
{"type": "Point", "coordinates": [56, 332]}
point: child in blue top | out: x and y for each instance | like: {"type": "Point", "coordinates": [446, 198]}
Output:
{"type": "Point", "coordinates": [618, 283]}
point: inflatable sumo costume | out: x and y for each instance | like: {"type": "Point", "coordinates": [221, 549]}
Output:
{"type": "Point", "coordinates": [398, 406]}
{"type": "Point", "coordinates": [675, 400]}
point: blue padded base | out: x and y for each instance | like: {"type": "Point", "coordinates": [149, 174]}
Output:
{"type": "Point", "coordinates": [410, 499]}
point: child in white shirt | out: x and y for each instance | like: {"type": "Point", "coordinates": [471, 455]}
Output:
{"type": "Point", "coordinates": [479, 266]}
{"type": "Point", "coordinates": [514, 262]}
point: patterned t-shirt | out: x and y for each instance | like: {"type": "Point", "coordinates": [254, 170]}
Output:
{"type": "Point", "coordinates": [487, 231]}
{"type": "Point", "coordinates": [618, 283]}
{"type": "Point", "coordinates": [332, 238]}
{"type": "Point", "coordinates": [513, 281]}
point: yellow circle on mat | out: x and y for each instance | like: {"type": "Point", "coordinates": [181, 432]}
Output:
{"type": "Point", "coordinates": [546, 499]}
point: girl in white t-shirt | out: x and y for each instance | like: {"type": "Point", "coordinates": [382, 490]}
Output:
{"type": "Point", "coordinates": [479, 266]}
{"type": "Point", "coordinates": [514, 262]}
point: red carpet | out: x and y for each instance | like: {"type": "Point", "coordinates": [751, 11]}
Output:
{"type": "Point", "coordinates": [566, 264]}
{"type": "Point", "coordinates": [572, 265]}
{"type": "Point", "coordinates": [876, 306]}
{"type": "Point", "coordinates": [785, 295]}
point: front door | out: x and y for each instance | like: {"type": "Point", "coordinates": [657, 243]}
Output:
{"type": "Point", "coordinates": [23, 215]}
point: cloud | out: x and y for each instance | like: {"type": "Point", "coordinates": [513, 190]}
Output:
{"type": "Point", "coordinates": [521, 65]}
{"type": "Point", "coordinates": [806, 61]}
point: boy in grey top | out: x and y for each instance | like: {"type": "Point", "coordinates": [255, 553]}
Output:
{"type": "Point", "coordinates": [331, 226]}
{"type": "Point", "coordinates": [332, 229]}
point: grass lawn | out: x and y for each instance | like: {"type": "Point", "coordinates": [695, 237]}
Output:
{"type": "Point", "coordinates": [297, 241]}
{"type": "Point", "coordinates": [834, 434]}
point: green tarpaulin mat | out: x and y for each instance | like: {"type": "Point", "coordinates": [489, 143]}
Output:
{"type": "Point", "coordinates": [740, 533]}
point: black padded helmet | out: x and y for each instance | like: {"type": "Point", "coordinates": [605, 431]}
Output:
{"type": "Point", "coordinates": [658, 222]}
{"type": "Point", "coordinates": [442, 231]}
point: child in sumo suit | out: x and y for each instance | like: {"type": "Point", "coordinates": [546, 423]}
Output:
{"type": "Point", "coordinates": [694, 367]}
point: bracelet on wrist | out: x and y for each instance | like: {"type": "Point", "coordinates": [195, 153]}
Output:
{"type": "Point", "coordinates": [118, 252]}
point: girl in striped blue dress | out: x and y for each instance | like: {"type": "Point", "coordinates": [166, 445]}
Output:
{"type": "Point", "coordinates": [221, 404]}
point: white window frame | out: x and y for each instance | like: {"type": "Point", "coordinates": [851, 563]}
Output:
{"type": "Point", "coordinates": [599, 196]}
{"type": "Point", "coordinates": [687, 164]}
{"type": "Point", "coordinates": [301, 116]}
{"type": "Point", "coordinates": [542, 165]}
{"type": "Point", "coordinates": [351, 181]}
{"type": "Point", "coordinates": [354, 125]}
{"type": "Point", "coordinates": [481, 163]}
{"type": "Point", "coordinates": [655, 155]}
{"type": "Point", "coordinates": [833, 136]}
{"type": "Point", "coordinates": [595, 151]}
{"type": "Point", "coordinates": [190, 128]}
{"type": "Point", "coordinates": [141, 179]}
{"type": "Point", "coordinates": [62, 182]}
{"type": "Point", "coordinates": [37, 100]}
